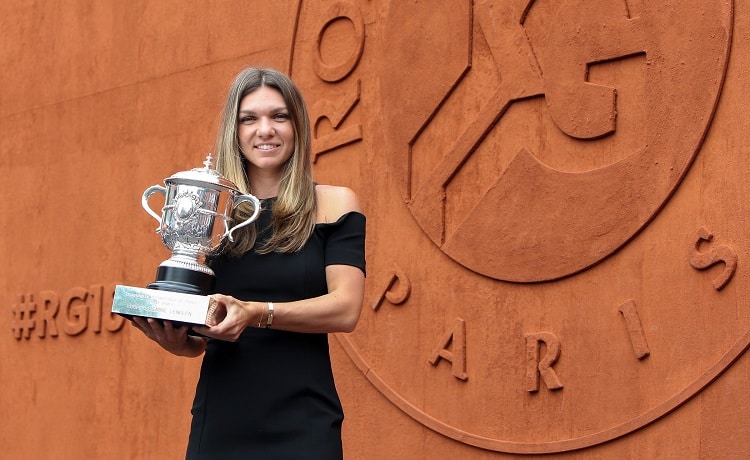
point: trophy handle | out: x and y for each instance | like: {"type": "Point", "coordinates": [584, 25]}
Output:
{"type": "Point", "coordinates": [256, 211]}
{"type": "Point", "coordinates": [144, 201]}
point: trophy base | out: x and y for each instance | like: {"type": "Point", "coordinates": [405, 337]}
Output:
{"type": "Point", "coordinates": [177, 307]}
{"type": "Point", "coordinates": [177, 279]}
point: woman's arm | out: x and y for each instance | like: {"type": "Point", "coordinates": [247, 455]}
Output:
{"type": "Point", "coordinates": [336, 311]}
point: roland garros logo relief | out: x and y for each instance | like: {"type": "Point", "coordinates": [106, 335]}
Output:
{"type": "Point", "coordinates": [582, 183]}
{"type": "Point", "coordinates": [529, 141]}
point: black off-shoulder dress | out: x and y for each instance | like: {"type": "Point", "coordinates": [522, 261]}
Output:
{"type": "Point", "coordinates": [271, 395]}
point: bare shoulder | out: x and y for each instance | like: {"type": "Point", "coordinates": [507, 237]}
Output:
{"type": "Point", "coordinates": [334, 202]}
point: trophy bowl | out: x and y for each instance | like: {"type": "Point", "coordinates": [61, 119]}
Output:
{"type": "Point", "coordinates": [195, 219]}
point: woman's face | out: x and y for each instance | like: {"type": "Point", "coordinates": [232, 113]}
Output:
{"type": "Point", "coordinates": [265, 131]}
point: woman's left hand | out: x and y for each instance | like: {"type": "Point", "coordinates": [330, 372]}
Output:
{"type": "Point", "coordinates": [229, 319]}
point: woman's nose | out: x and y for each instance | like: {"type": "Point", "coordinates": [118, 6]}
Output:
{"type": "Point", "coordinates": [265, 127]}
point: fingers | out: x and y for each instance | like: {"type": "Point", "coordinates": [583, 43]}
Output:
{"type": "Point", "coordinates": [217, 331]}
{"type": "Point", "coordinates": [166, 332]}
{"type": "Point", "coordinates": [227, 321]}
{"type": "Point", "coordinates": [142, 325]}
{"type": "Point", "coordinates": [161, 331]}
{"type": "Point", "coordinates": [222, 326]}
{"type": "Point", "coordinates": [203, 330]}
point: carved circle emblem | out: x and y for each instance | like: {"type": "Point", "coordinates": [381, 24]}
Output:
{"type": "Point", "coordinates": [535, 146]}
{"type": "Point", "coordinates": [185, 206]}
{"type": "Point", "coordinates": [582, 183]}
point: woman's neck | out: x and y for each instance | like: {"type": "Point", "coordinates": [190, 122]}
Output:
{"type": "Point", "coordinates": [264, 185]}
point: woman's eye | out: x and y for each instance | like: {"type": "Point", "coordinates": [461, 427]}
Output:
{"type": "Point", "coordinates": [247, 119]}
{"type": "Point", "coordinates": [281, 117]}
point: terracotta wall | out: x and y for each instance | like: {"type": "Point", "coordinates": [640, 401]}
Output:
{"type": "Point", "coordinates": [557, 218]}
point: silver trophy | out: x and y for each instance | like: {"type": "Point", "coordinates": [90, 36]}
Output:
{"type": "Point", "coordinates": [195, 219]}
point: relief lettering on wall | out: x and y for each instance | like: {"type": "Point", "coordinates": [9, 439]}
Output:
{"type": "Point", "coordinates": [536, 366]}
{"type": "Point", "coordinates": [629, 312]}
{"type": "Point", "coordinates": [74, 312]}
{"type": "Point", "coordinates": [452, 348]}
{"type": "Point", "coordinates": [396, 291]}
{"type": "Point", "coordinates": [717, 254]}
{"type": "Point", "coordinates": [336, 112]}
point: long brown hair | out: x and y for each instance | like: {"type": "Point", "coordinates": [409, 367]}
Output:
{"type": "Point", "coordinates": [294, 209]}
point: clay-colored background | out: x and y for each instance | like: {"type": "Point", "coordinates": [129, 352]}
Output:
{"type": "Point", "coordinates": [101, 99]}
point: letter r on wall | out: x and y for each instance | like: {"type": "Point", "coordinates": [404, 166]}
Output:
{"type": "Point", "coordinates": [536, 366]}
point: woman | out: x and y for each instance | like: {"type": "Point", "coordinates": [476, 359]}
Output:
{"type": "Point", "coordinates": [266, 389]}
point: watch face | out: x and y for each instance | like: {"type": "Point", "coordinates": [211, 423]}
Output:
{"type": "Point", "coordinates": [552, 220]}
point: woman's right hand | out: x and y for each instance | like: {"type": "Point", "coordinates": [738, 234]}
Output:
{"type": "Point", "coordinates": [173, 339]}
